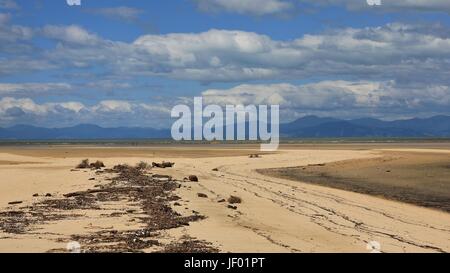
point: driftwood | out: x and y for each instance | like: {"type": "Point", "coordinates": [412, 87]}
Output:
{"type": "Point", "coordinates": [163, 164]}
{"type": "Point", "coordinates": [162, 176]}
{"type": "Point", "coordinates": [107, 190]}
{"type": "Point", "coordinates": [81, 193]}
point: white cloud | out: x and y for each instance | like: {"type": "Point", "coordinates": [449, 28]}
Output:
{"type": "Point", "coordinates": [381, 59]}
{"type": "Point", "coordinates": [33, 88]}
{"type": "Point", "coordinates": [222, 55]}
{"type": "Point", "coordinates": [344, 99]}
{"type": "Point", "coordinates": [72, 34]}
{"type": "Point", "coordinates": [69, 113]}
{"type": "Point", "coordinates": [12, 33]}
{"type": "Point", "coordinates": [391, 52]}
{"type": "Point", "coordinates": [26, 105]}
{"type": "Point", "coordinates": [73, 106]}
{"type": "Point", "coordinates": [252, 7]}
{"type": "Point", "coordinates": [21, 64]}
{"type": "Point", "coordinates": [322, 95]}
{"type": "Point", "coordinates": [113, 106]}
{"type": "Point", "coordinates": [124, 13]}
{"type": "Point", "coordinates": [338, 98]}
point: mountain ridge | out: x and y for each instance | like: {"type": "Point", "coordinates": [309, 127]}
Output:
{"type": "Point", "coordinates": [305, 127]}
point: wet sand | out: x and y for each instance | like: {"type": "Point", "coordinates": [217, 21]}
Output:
{"type": "Point", "coordinates": [276, 214]}
{"type": "Point", "coordinates": [418, 178]}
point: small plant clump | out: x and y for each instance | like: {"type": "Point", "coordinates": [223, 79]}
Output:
{"type": "Point", "coordinates": [97, 165]}
{"type": "Point", "coordinates": [84, 164]}
{"type": "Point", "coordinates": [143, 166]}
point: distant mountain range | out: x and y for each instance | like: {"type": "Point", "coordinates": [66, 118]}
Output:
{"type": "Point", "coordinates": [306, 127]}
{"type": "Point", "coordinates": [315, 127]}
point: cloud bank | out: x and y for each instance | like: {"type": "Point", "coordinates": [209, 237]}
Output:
{"type": "Point", "coordinates": [105, 113]}
{"type": "Point", "coordinates": [250, 7]}
{"type": "Point", "coordinates": [397, 51]}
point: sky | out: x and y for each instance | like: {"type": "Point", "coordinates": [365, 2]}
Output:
{"type": "Point", "coordinates": [128, 62]}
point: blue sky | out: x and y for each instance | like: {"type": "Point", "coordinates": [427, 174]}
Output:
{"type": "Point", "coordinates": [127, 63]}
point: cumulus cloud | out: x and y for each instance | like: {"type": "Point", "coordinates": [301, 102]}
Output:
{"type": "Point", "coordinates": [72, 34]}
{"type": "Point", "coordinates": [113, 106]}
{"type": "Point", "coordinates": [396, 67]}
{"type": "Point", "coordinates": [339, 98]}
{"type": "Point", "coordinates": [394, 51]}
{"type": "Point", "coordinates": [106, 113]}
{"type": "Point", "coordinates": [16, 46]}
{"type": "Point", "coordinates": [13, 33]}
{"type": "Point", "coordinates": [251, 7]}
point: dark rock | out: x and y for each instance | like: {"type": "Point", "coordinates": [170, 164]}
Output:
{"type": "Point", "coordinates": [193, 178]}
{"type": "Point", "coordinates": [202, 195]}
{"type": "Point", "coordinates": [234, 200]}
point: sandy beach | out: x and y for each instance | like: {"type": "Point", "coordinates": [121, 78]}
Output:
{"type": "Point", "coordinates": [276, 214]}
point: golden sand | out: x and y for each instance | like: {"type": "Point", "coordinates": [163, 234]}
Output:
{"type": "Point", "coordinates": [276, 215]}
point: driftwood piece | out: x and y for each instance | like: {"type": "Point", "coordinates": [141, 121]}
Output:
{"type": "Point", "coordinates": [163, 165]}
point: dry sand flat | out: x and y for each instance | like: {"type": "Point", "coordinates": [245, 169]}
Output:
{"type": "Point", "coordinates": [282, 215]}
{"type": "Point", "coordinates": [276, 215]}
